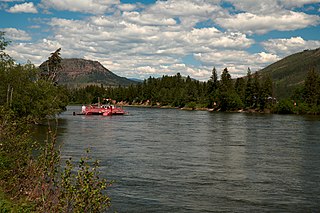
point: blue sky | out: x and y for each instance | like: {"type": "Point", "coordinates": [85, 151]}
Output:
{"type": "Point", "coordinates": [138, 39]}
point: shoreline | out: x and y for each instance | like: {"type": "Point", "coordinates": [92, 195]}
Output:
{"type": "Point", "coordinates": [253, 111]}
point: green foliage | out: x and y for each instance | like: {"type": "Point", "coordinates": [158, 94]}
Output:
{"type": "Point", "coordinates": [249, 91]}
{"type": "Point", "coordinates": [307, 96]}
{"type": "Point", "coordinates": [301, 108]}
{"type": "Point", "coordinates": [265, 93]}
{"type": "Point", "coordinates": [212, 88]}
{"type": "Point", "coordinates": [229, 99]}
{"type": "Point", "coordinates": [226, 82]}
{"type": "Point", "coordinates": [16, 153]}
{"type": "Point", "coordinates": [28, 96]}
{"type": "Point", "coordinates": [191, 105]}
{"type": "Point", "coordinates": [83, 191]}
{"type": "Point", "coordinates": [290, 72]}
{"type": "Point", "coordinates": [240, 87]}
{"type": "Point", "coordinates": [52, 65]}
{"type": "Point", "coordinates": [28, 175]}
{"type": "Point", "coordinates": [168, 90]}
{"type": "Point", "coordinates": [285, 106]}
{"type": "Point", "coordinates": [312, 88]}
{"type": "Point", "coordinates": [25, 176]}
{"type": "Point", "coordinates": [4, 57]}
{"type": "Point", "coordinates": [180, 92]}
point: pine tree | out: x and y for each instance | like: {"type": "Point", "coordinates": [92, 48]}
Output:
{"type": "Point", "coordinates": [256, 89]}
{"type": "Point", "coordinates": [240, 87]}
{"type": "Point", "coordinates": [212, 88]}
{"type": "Point", "coordinates": [266, 91]}
{"type": "Point", "coordinates": [228, 96]}
{"type": "Point", "coordinates": [249, 91]}
{"type": "Point", "coordinates": [312, 87]}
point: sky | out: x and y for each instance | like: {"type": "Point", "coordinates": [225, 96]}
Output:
{"type": "Point", "coordinates": [142, 38]}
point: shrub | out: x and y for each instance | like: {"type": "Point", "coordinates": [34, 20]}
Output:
{"type": "Point", "coordinates": [285, 106]}
{"type": "Point", "coordinates": [83, 191]}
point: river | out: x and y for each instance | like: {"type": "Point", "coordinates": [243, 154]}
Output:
{"type": "Point", "coordinates": [170, 160]}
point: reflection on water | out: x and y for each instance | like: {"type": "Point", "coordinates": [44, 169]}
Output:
{"type": "Point", "coordinates": [167, 160]}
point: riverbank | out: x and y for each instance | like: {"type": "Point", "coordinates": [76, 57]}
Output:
{"type": "Point", "coordinates": [265, 111]}
{"type": "Point", "coordinates": [281, 107]}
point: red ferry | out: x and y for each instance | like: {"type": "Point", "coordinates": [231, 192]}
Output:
{"type": "Point", "coordinates": [97, 109]}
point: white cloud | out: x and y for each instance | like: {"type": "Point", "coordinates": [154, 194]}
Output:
{"type": "Point", "coordinates": [131, 49]}
{"type": "Point", "coordinates": [184, 8]}
{"type": "Point", "coordinates": [237, 61]}
{"type": "Point", "coordinates": [257, 7]}
{"type": "Point", "coordinates": [34, 27]}
{"type": "Point", "coordinates": [189, 12]}
{"type": "Point", "coordinates": [148, 19]}
{"type": "Point", "coordinates": [85, 6]}
{"type": "Point", "coordinates": [102, 21]}
{"type": "Point", "coordinates": [213, 38]}
{"type": "Point", "coordinates": [16, 34]}
{"type": "Point", "coordinates": [288, 46]}
{"type": "Point", "coordinates": [297, 3]}
{"type": "Point", "coordinates": [35, 52]}
{"type": "Point", "coordinates": [268, 6]}
{"type": "Point", "coordinates": [155, 39]}
{"type": "Point", "coordinates": [267, 58]}
{"type": "Point", "coordinates": [127, 7]}
{"type": "Point", "coordinates": [23, 8]}
{"type": "Point", "coordinates": [252, 23]}
{"type": "Point", "coordinates": [200, 73]}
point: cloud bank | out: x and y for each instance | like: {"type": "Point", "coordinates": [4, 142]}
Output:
{"type": "Point", "coordinates": [190, 37]}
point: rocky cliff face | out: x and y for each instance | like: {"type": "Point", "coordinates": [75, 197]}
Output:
{"type": "Point", "coordinates": [75, 71]}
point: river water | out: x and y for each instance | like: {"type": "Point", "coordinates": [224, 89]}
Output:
{"type": "Point", "coordinates": [170, 160]}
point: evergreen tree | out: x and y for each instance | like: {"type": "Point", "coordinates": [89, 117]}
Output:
{"type": "Point", "coordinates": [240, 87]}
{"type": "Point", "coordinates": [256, 89]}
{"type": "Point", "coordinates": [266, 92]}
{"type": "Point", "coordinates": [53, 65]}
{"type": "Point", "coordinates": [226, 81]}
{"type": "Point", "coordinates": [228, 97]}
{"type": "Point", "coordinates": [4, 57]}
{"type": "Point", "coordinates": [212, 88]}
{"type": "Point", "coordinates": [249, 91]}
{"type": "Point", "coordinates": [312, 87]}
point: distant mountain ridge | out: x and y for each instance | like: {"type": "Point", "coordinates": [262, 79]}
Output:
{"type": "Point", "coordinates": [291, 71]}
{"type": "Point", "coordinates": [81, 72]}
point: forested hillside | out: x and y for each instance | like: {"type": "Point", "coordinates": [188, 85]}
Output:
{"type": "Point", "coordinates": [290, 72]}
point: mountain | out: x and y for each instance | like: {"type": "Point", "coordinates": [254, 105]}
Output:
{"type": "Point", "coordinates": [291, 71]}
{"type": "Point", "coordinates": [136, 80]}
{"type": "Point", "coordinates": [82, 72]}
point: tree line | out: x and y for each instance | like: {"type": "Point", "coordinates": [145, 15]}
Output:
{"type": "Point", "coordinates": [253, 92]}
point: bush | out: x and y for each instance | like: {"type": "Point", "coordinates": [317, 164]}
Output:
{"type": "Point", "coordinates": [191, 105]}
{"type": "Point", "coordinates": [83, 191]}
{"type": "Point", "coordinates": [301, 108]}
{"type": "Point", "coordinates": [68, 189]}
{"type": "Point", "coordinates": [285, 106]}
{"type": "Point", "coordinates": [38, 182]}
